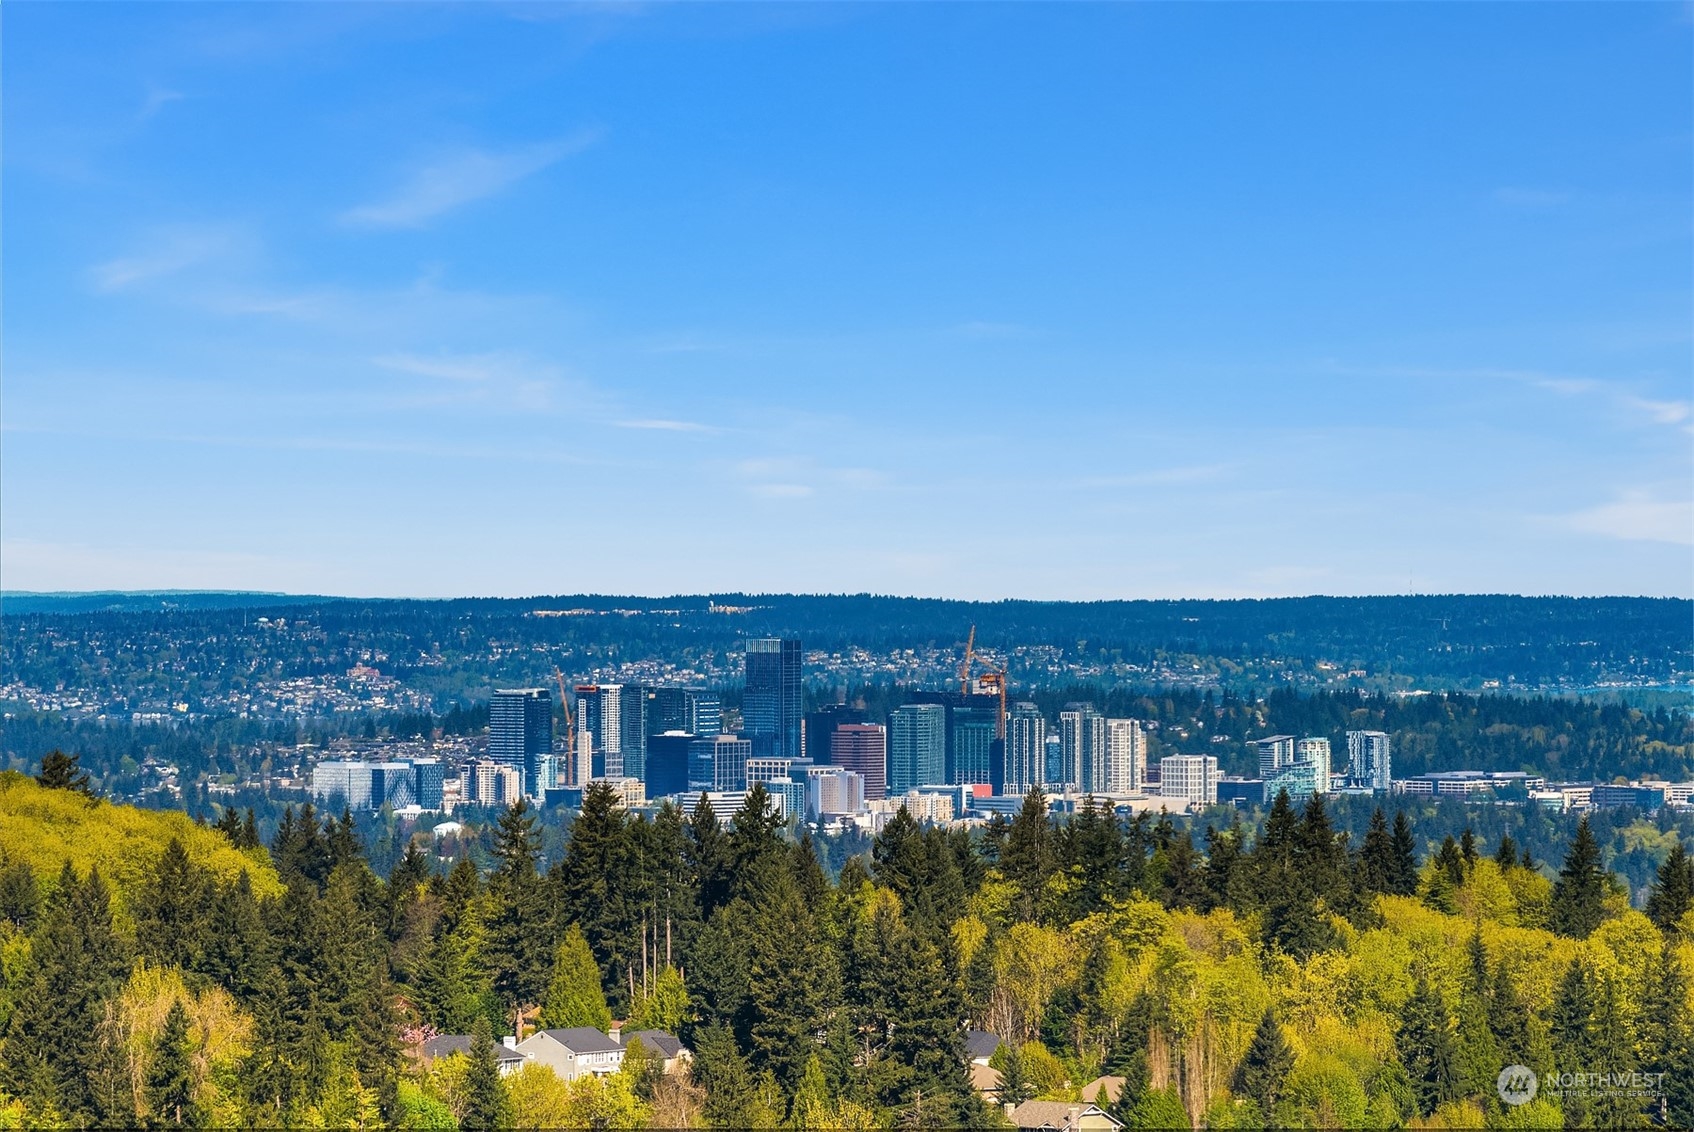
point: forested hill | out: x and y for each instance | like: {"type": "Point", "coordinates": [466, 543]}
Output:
{"type": "Point", "coordinates": [455, 648]}
{"type": "Point", "coordinates": [1283, 977]}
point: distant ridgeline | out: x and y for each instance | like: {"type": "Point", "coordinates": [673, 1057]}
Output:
{"type": "Point", "coordinates": [1374, 643]}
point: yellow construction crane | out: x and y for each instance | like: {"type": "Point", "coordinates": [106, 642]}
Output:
{"type": "Point", "coordinates": [965, 668]}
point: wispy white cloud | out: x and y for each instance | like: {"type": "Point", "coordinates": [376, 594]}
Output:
{"type": "Point", "coordinates": [1639, 517]}
{"type": "Point", "coordinates": [1673, 413]}
{"type": "Point", "coordinates": [157, 98]}
{"type": "Point", "coordinates": [474, 367]}
{"type": "Point", "coordinates": [497, 379]}
{"type": "Point", "coordinates": [459, 179]}
{"type": "Point", "coordinates": [1664, 412]}
{"type": "Point", "coordinates": [164, 252]}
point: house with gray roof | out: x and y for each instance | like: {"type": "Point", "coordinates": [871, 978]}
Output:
{"type": "Point", "coordinates": [571, 1053]}
{"type": "Point", "coordinates": [667, 1049]}
{"type": "Point", "coordinates": [506, 1059]}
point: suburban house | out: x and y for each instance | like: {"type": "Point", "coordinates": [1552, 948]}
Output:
{"type": "Point", "coordinates": [1063, 1116]}
{"type": "Point", "coordinates": [506, 1059]}
{"type": "Point", "coordinates": [576, 1052]}
{"type": "Point", "coordinates": [667, 1049]}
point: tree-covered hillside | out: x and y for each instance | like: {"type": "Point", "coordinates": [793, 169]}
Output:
{"type": "Point", "coordinates": [1294, 978]}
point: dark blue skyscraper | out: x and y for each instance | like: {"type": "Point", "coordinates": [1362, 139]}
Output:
{"type": "Point", "coordinates": [771, 704]}
{"type": "Point", "coordinates": [520, 734]}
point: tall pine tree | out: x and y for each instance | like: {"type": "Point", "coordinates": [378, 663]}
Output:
{"type": "Point", "coordinates": [1673, 891]}
{"type": "Point", "coordinates": [1579, 894]}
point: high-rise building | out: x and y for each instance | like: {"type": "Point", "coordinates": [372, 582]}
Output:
{"type": "Point", "coordinates": [771, 703]}
{"type": "Point", "coordinates": [820, 727]}
{"type": "Point", "coordinates": [863, 749]}
{"type": "Point", "coordinates": [718, 762]}
{"type": "Point", "coordinates": [1082, 731]}
{"type": "Point", "coordinates": [614, 716]}
{"type": "Point", "coordinates": [1316, 752]}
{"type": "Point", "coordinates": [770, 770]}
{"type": "Point", "coordinates": [361, 784]}
{"type": "Point", "coordinates": [693, 710]}
{"type": "Point", "coordinates": [520, 735]}
{"type": "Point", "coordinates": [1368, 760]}
{"type": "Point", "coordinates": [917, 746]}
{"type": "Point", "coordinates": [1053, 763]}
{"type": "Point", "coordinates": [348, 780]}
{"type": "Point", "coordinates": [1126, 757]}
{"type": "Point", "coordinates": [1026, 749]}
{"type": "Point", "coordinates": [970, 743]}
{"type": "Point", "coordinates": [489, 783]}
{"type": "Point", "coordinates": [428, 776]}
{"type": "Point", "coordinates": [1275, 753]}
{"type": "Point", "coordinates": [632, 723]}
{"type": "Point", "coordinates": [833, 791]}
{"type": "Point", "coordinates": [667, 762]}
{"type": "Point", "coordinates": [1301, 780]}
{"type": "Point", "coordinates": [1193, 778]}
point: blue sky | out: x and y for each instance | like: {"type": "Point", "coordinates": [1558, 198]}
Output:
{"type": "Point", "coordinates": [1046, 301]}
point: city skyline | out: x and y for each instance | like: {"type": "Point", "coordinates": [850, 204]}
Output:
{"type": "Point", "coordinates": [970, 301]}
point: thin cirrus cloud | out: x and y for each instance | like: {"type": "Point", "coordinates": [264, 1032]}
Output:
{"type": "Point", "coordinates": [1638, 517]}
{"type": "Point", "coordinates": [165, 253]}
{"type": "Point", "coordinates": [457, 180]}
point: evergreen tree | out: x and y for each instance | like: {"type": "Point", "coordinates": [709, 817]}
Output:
{"type": "Point", "coordinates": [60, 771]}
{"type": "Point", "coordinates": [1673, 891]}
{"type": "Point", "coordinates": [1184, 880]}
{"type": "Point", "coordinates": [1467, 849]}
{"type": "Point", "coordinates": [485, 1095]}
{"type": "Point", "coordinates": [574, 994]}
{"type": "Point", "coordinates": [593, 885]}
{"type": "Point", "coordinates": [1425, 1044]}
{"type": "Point", "coordinates": [1223, 863]}
{"type": "Point", "coordinates": [169, 926]}
{"type": "Point", "coordinates": [1507, 855]}
{"type": "Point", "coordinates": [19, 895]}
{"type": "Point", "coordinates": [753, 847]}
{"type": "Point", "coordinates": [170, 1079]}
{"type": "Point", "coordinates": [1028, 858]}
{"type": "Point", "coordinates": [78, 961]}
{"type": "Point", "coordinates": [518, 937]}
{"type": "Point", "coordinates": [1265, 1066]}
{"type": "Point", "coordinates": [1405, 857]}
{"type": "Point", "coordinates": [1580, 892]}
{"type": "Point", "coordinates": [1508, 1021]}
{"type": "Point", "coordinates": [249, 831]}
{"type": "Point", "coordinates": [236, 944]}
{"type": "Point", "coordinates": [1573, 1037]}
{"type": "Point", "coordinates": [1377, 868]}
{"type": "Point", "coordinates": [1014, 1087]}
{"type": "Point", "coordinates": [1478, 1053]}
{"type": "Point", "coordinates": [1665, 1039]}
{"type": "Point", "coordinates": [708, 857]}
{"type": "Point", "coordinates": [794, 985]}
